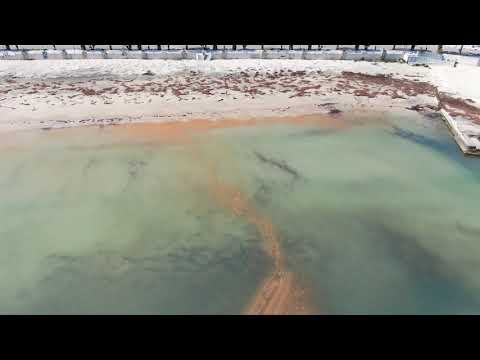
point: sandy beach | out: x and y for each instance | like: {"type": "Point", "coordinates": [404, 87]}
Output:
{"type": "Point", "coordinates": [52, 94]}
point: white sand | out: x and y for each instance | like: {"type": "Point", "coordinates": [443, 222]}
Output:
{"type": "Point", "coordinates": [462, 81]}
{"type": "Point", "coordinates": [33, 94]}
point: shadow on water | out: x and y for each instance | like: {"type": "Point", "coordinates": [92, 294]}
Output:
{"type": "Point", "coordinates": [447, 147]}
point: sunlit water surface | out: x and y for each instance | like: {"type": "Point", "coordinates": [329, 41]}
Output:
{"type": "Point", "coordinates": [378, 218]}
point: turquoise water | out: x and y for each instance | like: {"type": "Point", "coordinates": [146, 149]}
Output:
{"type": "Point", "coordinates": [377, 219]}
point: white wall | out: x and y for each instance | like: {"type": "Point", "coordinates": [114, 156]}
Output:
{"type": "Point", "coordinates": [371, 55]}
{"type": "Point", "coordinates": [34, 55]}
{"type": "Point", "coordinates": [324, 55]}
{"type": "Point", "coordinates": [135, 54]}
{"type": "Point", "coordinates": [363, 55]}
{"type": "Point", "coordinates": [55, 55]}
{"type": "Point", "coordinates": [191, 54]}
{"type": "Point", "coordinates": [164, 54]}
{"type": "Point", "coordinates": [11, 55]}
{"type": "Point", "coordinates": [242, 54]}
{"type": "Point", "coordinates": [94, 54]}
{"type": "Point", "coordinates": [115, 54]}
{"type": "Point", "coordinates": [75, 54]}
{"type": "Point", "coordinates": [393, 55]}
{"type": "Point", "coordinates": [275, 54]}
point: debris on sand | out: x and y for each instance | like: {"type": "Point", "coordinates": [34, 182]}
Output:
{"type": "Point", "coordinates": [459, 107]}
{"type": "Point", "coordinates": [148, 73]}
{"type": "Point", "coordinates": [335, 111]}
{"type": "Point", "coordinates": [422, 108]}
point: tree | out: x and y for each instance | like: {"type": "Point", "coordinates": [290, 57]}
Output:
{"type": "Point", "coordinates": [460, 50]}
{"type": "Point", "coordinates": [129, 47]}
{"type": "Point", "coordinates": [215, 47]}
{"type": "Point", "coordinates": [83, 47]}
{"type": "Point", "coordinates": [290, 47]}
{"type": "Point", "coordinates": [168, 47]}
{"type": "Point", "coordinates": [159, 47]}
{"type": "Point", "coordinates": [366, 47]}
{"type": "Point", "coordinates": [8, 47]}
{"type": "Point", "coordinates": [412, 47]}
{"type": "Point", "coordinates": [186, 47]}
{"type": "Point", "coordinates": [139, 47]}
{"type": "Point", "coordinates": [357, 47]}
{"type": "Point", "coordinates": [394, 47]}
{"type": "Point", "coordinates": [110, 46]}
{"type": "Point", "coordinates": [92, 47]}
{"type": "Point", "coordinates": [261, 46]}
{"type": "Point", "coordinates": [54, 47]}
{"type": "Point", "coordinates": [281, 47]}
{"type": "Point", "coordinates": [234, 47]}
{"type": "Point", "coordinates": [309, 47]}
{"type": "Point", "coordinates": [244, 47]}
{"type": "Point", "coordinates": [440, 49]}
{"type": "Point", "coordinates": [338, 47]}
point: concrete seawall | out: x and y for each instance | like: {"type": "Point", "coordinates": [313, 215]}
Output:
{"type": "Point", "coordinates": [359, 55]}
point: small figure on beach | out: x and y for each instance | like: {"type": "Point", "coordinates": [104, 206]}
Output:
{"type": "Point", "coordinates": [455, 64]}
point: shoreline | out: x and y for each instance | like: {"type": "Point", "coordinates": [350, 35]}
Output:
{"type": "Point", "coordinates": [43, 96]}
{"type": "Point", "coordinates": [54, 94]}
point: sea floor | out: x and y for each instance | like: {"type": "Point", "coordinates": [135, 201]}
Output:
{"type": "Point", "coordinates": [370, 214]}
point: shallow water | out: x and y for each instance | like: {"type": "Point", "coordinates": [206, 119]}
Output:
{"type": "Point", "coordinates": [376, 218]}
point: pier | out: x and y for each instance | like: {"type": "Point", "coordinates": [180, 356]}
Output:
{"type": "Point", "coordinates": [465, 132]}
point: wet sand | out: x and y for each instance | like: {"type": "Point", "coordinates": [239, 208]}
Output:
{"type": "Point", "coordinates": [280, 294]}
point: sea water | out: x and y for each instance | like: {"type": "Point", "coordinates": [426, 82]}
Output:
{"type": "Point", "coordinates": [378, 218]}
